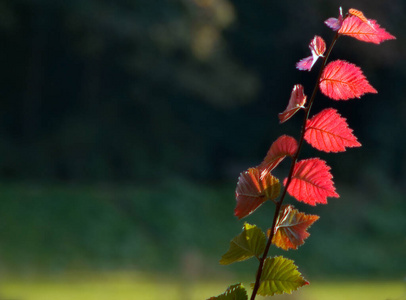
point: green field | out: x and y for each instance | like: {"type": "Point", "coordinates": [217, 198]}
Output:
{"type": "Point", "coordinates": [60, 228]}
{"type": "Point", "coordinates": [133, 285]}
{"type": "Point", "coordinates": [65, 242]}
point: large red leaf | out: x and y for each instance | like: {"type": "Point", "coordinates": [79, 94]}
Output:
{"type": "Point", "coordinates": [342, 80]}
{"type": "Point", "coordinates": [284, 146]}
{"type": "Point", "coordinates": [363, 29]}
{"type": "Point", "coordinates": [252, 191]}
{"type": "Point", "coordinates": [291, 228]}
{"type": "Point", "coordinates": [312, 182]}
{"type": "Point", "coordinates": [328, 131]}
{"type": "Point", "coordinates": [297, 101]}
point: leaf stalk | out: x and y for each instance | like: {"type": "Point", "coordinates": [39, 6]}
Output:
{"type": "Point", "coordinates": [292, 167]}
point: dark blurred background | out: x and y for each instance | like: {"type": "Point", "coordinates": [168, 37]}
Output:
{"type": "Point", "coordinates": [124, 126]}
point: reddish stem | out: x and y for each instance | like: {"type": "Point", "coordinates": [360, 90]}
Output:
{"type": "Point", "coordinates": [292, 167]}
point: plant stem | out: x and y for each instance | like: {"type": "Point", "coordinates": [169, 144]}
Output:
{"type": "Point", "coordinates": [292, 167]}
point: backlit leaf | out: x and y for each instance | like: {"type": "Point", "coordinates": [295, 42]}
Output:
{"type": "Point", "coordinates": [328, 131]}
{"type": "Point", "coordinates": [335, 23]}
{"type": "Point", "coordinates": [284, 146]}
{"type": "Point", "coordinates": [291, 228]}
{"type": "Point", "coordinates": [250, 242]}
{"type": "Point", "coordinates": [317, 47]}
{"type": "Point", "coordinates": [342, 80]}
{"type": "Point", "coordinates": [233, 292]}
{"type": "Point", "coordinates": [252, 190]}
{"type": "Point", "coordinates": [280, 275]}
{"type": "Point", "coordinates": [312, 182]}
{"type": "Point", "coordinates": [305, 64]}
{"type": "Point", "coordinates": [297, 101]}
{"type": "Point", "coordinates": [363, 29]}
{"type": "Point", "coordinates": [359, 14]}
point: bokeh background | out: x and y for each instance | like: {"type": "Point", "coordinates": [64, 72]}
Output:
{"type": "Point", "coordinates": [124, 126]}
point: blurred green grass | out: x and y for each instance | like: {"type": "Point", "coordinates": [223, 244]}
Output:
{"type": "Point", "coordinates": [130, 285]}
{"type": "Point", "coordinates": [182, 227]}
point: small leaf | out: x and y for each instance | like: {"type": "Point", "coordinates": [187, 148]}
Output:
{"type": "Point", "coordinates": [312, 182]}
{"type": "Point", "coordinates": [317, 47]}
{"type": "Point", "coordinates": [279, 276]}
{"type": "Point", "coordinates": [297, 101]}
{"type": "Point", "coordinates": [363, 29]}
{"type": "Point", "coordinates": [250, 242]}
{"type": "Point", "coordinates": [233, 292]}
{"type": "Point", "coordinates": [284, 146]}
{"type": "Point", "coordinates": [357, 13]}
{"type": "Point", "coordinates": [291, 228]}
{"type": "Point", "coordinates": [328, 131]}
{"type": "Point", "coordinates": [305, 64]}
{"type": "Point", "coordinates": [342, 80]}
{"type": "Point", "coordinates": [334, 23]}
{"type": "Point", "coordinates": [252, 191]}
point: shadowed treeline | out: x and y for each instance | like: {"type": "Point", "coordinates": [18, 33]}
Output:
{"type": "Point", "coordinates": [141, 90]}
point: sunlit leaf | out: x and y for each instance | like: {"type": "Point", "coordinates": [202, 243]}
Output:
{"type": "Point", "coordinates": [280, 275]}
{"type": "Point", "coordinates": [284, 146]}
{"type": "Point", "coordinates": [305, 64]}
{"type": "Point", "coordinates": [335, 23]}
{"type": "Point", "coordinates": [317, 47]}
{"type": "Point", "coordinates": [252, 190]}
{"type": "Point", "coordinates": [358, 13]}
{"type": "Point", "coordinates": [328, 131]}
{"type": "Point", "coordinates": [250, 242]}
{"type": "Point", "coordinates": [312, 182]}
{"type": "Point", "coordinates": [363, 29]}
{"type": "Point", "coordinates": [233, 292]}
{"type": "Point", "coordinates": [297, 101]}
{"type": "Point", "coordinates": [291, 228]}
{"type": "Point", "coordinates": [342, 80]}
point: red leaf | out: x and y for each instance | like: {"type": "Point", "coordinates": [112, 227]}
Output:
{"type": "Point", "coordinates": [358, 13]}
{"type": "Point", "coordinates": [335, 23]}
{"type": "Point", "coordinates": [328, 131]}
{"type": "Point", "coordinates": [297, 101]}
{"type": "Point", "coordinates": [283, 146]}
{"type": "Point", "coordinates": [317, 47]}
{"type": "Point", "coordinates": [291, 228]}
{"type": "Point", "coordinates": [312, 182]}
{"type": "Point", "coordinates": [342, 80]}
{"type": "Point", "coordinates": [252, 191]}
{"type": "Point", "coordinates": [363, 29]}
{"type": "Point", "coordinates": [305, 64]}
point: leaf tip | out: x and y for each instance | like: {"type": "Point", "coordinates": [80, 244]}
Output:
{"type": "Point", "coordinates": [306, 282]}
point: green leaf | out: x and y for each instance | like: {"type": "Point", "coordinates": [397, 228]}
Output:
{"type": "Point", "coordinates": [250, 242]}
{"type": "Point", "coordinates": [280, 276]}
{"type": "Point", "coordinates": [233, 292]}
